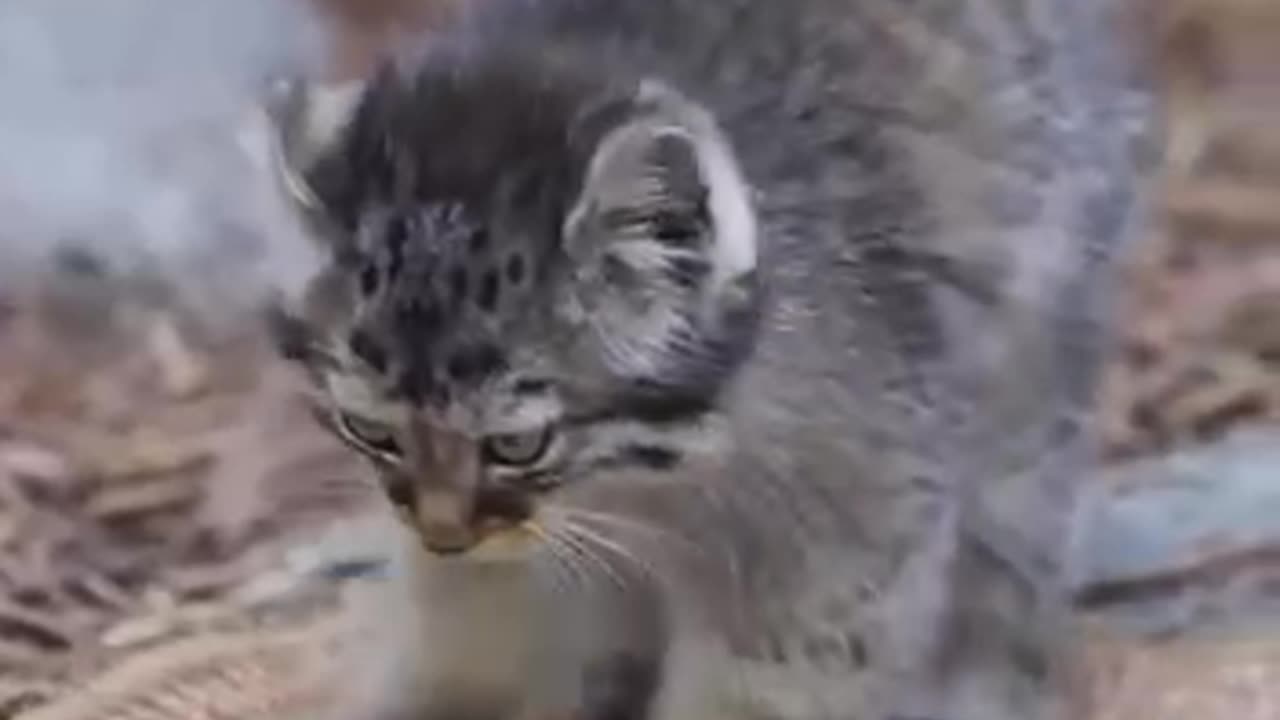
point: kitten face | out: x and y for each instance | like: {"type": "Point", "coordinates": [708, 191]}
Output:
{"type": "Point", "coordinates": [534, 274]}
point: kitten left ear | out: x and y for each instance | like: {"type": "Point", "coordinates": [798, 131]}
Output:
{"type": "Point", "coordinates": [306, 119]}
{"type": "Point", "coordinates": [663, 239]}
{"type": "Point", "coordinates": [662, 188]}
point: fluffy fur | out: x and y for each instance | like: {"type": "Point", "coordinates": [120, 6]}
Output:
{"type": "Point", "coordinates": [798, 284]}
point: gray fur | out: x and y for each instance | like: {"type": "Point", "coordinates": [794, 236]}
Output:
{"type": "Point", "coordinates": [877, 416]}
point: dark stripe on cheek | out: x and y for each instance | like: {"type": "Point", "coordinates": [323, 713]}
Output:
{"type": "Point", "coordinates": [526, 386]}
{"type": "Point", "coordinates": [649, 402]}
{"type": "Point", "coordinates": [475, 362]}
{"type": "Point", "coordinates": [654, 411]}
{"type": "Point", "coordinates": [649, 456]}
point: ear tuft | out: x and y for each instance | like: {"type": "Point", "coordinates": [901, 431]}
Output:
{"type": "Point", "coordinates": [667, 175]}
{"type": "Point", "coordinates": [662, 234]}
{"type": "Point", "coordinates": [307, 120]}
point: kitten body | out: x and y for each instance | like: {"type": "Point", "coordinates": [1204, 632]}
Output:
{"type": "Point", "coordinates": [776, 273]}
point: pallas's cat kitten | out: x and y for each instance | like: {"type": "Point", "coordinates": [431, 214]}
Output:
{"type": "Point", "coordinates": [684, 335]}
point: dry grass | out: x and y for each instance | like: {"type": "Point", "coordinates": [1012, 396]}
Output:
{"type": "Point", "coordinates": [1202, 347]}
{"type": "Point", "coordinates": [1201, 353]}
{"type": "Point", "coordinates": [1233, 679]}
{"type": "Point", "coordinates": [144, 496]}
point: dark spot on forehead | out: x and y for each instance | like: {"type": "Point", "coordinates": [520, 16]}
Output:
{"type": "Point", "coordinates": [515, 269]}
{"type": "Point", "coordinates": [474, 362]}
{"type": "Point", "coordinates": [420, 383]}
{"type": "Point", "coordinates": [369, 280]}
{"type": "Point", "coordinates": [397, 236]}
{"type": "Point", "coordinates": [487, 296]}
{"type": "Point", "coordinates": [397, 232]}
{"type": "Point", "coordinates": [419, 315]}
{"type": "Point", "coordinates": [458, 283]}
{"type": "Point", "coordinates": [479, 241]}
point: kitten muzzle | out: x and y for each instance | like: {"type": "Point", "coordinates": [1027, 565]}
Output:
{"type": "Point", "coordinates": [453, 525]}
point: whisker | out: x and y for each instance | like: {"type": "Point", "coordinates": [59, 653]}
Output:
{"type": "Point", "coordinates": [573, 538]}
{"type": "Point", "coordinates": [625, 523]}
{"type": "Point", "coordinates": [566, 575]}
{"type": "Point", "coordinates": [590, 566]}
{"type": "Point", "coordinates": [728, 667]}
{"type": "Point", "coordinates": [586, 566]}
{"type": "Point", "coordinates": [566, 548]}
{"type": "Point", "coordinates": [561, 576]}
{"type": "Point", "coordinates": [587, 535]}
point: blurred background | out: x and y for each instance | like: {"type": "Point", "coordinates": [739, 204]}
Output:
{"type": "Point", "coordinates": [154, 463]}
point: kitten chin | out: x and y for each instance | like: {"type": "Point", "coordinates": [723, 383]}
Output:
{"type": "Point", "coordinates": [498, 637]}
{"type": "Point", "coordinates": [462, 639]}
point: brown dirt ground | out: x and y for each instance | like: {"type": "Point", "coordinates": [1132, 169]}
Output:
{"type": "Point", "coordinates": [1201, 348]}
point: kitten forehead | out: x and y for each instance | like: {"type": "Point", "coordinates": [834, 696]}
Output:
{"type": "Point", "coordinates": [453, 183]}
{"type": "Point", "coordinates": [457, 188]}
{"type": "Point", "coordinates": [442, 292]}
{"type": "Point", "coordinates": [463, 126]}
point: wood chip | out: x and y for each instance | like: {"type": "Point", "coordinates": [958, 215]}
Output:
{"type": "Point", "coordinates": [147, 454]}
{"type": "Point", "coordinates": [1220, 678]}
{"type": "Point", "coordinates": [34, 462]}
{"type": "Point", "coordinates": [183, 373]}
{"type": "Point", "coordinates": [119, 501]}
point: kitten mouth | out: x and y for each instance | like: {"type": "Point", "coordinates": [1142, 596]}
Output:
{"type": "Point", "coordinates": [500, 518]}
{"type": "Point", "coordinates": [446, 548]}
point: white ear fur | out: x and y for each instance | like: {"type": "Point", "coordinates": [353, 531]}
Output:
{"type": "Point", "coordinates": [306, 120]}
{"type": "Point", "coordinates": [729, 196]}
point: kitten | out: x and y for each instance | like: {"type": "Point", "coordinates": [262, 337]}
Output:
{"type": "Point", "coordinates": [685, 336]}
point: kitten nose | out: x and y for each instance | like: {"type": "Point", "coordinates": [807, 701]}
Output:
{"type": "Point", "coordinates": [444, 521]}
{"type": "Point", "coordinates": [446, 472]}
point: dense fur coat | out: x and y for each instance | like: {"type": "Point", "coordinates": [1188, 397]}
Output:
{"type": "Point", "coordinates": [809, 290]}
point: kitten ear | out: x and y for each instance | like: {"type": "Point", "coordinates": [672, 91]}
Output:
{"type": "Point", "coordinates": [664, 187]}
{"type": "Point", "coordinates": [306, 120]}
{"type": "Point", "coordinates": [663, 234]}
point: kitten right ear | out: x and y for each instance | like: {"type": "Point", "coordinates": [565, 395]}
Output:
{"type": "Point", "coordinates": [306, 120]}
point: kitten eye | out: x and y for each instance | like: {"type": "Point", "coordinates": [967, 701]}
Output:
{"type": "Point", "coordinates": [368, 435]}
{"type": "Point", "coordinates": [518, 449]}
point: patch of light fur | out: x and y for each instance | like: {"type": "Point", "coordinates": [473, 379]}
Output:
{"type": "Point", "coordinates": [730, 195]}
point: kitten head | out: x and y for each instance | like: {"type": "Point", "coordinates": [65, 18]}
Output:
{"type": "Point", "coordinates": [533, 273]}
